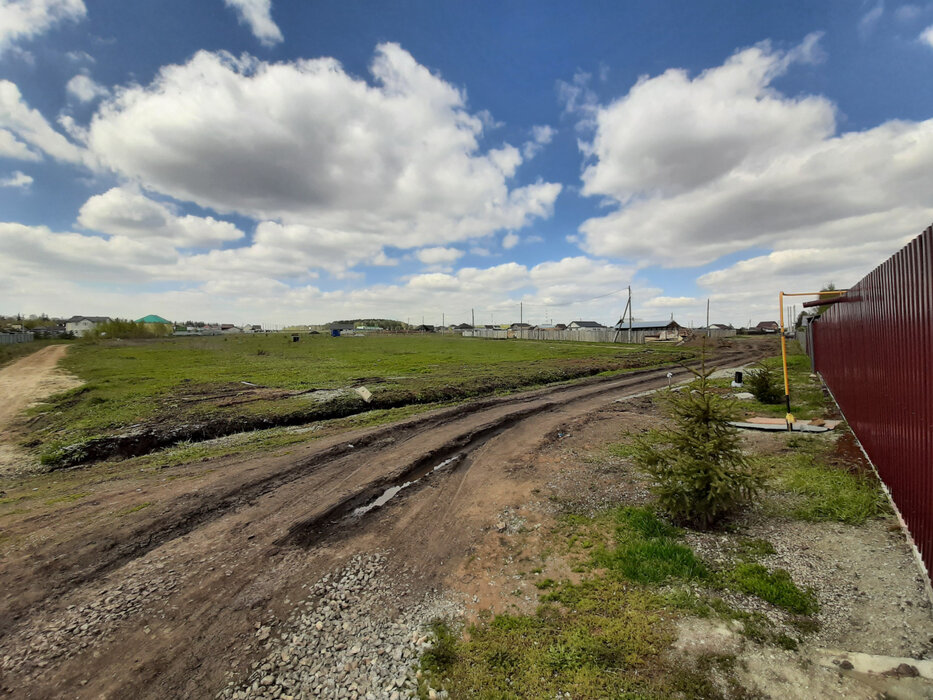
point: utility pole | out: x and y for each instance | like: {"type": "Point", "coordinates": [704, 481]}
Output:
{"type": "Point", "coordinates": [708, 331]}
{"type": "Point", "coordinates": [443, 320]}
{"type": "Point", "coordinates": [628, 308]}
{"type": "Point", "coordinates": [473, 318]}
{"type": "Point", "coordinates": [521, 317]}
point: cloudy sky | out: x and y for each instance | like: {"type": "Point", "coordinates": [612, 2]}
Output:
{"type": "Point", "coordinates": [273, 161]}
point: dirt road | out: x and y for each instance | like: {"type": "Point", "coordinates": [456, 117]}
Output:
{"type": "Point", "coordinates": [156, 587]}
{"type": "Point", "coordinates": [23, 383]}
{"type": "Point", "coordinates": [31, 379]}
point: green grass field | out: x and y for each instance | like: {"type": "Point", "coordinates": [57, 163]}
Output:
{"type": "Point", "coordinates": [197, 380]}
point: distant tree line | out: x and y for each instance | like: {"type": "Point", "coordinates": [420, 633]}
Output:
{"type": "Point", "coordinates": [125, 328]}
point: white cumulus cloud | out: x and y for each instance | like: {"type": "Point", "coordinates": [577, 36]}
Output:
{"type": "Point", "coordinates": [701, 167]}
{"type": "Point", "coordinates": [17, 179]}
{"type": "Point", "coordinates": [123, 212]}
{"type": "Point", "coordinates": [257, 15]}
{"type": "Point", "coordinates": [541, 135]}
{"type": "Point", "coordinates": [85, 89]}
{"type": "Point", "coordinates": [11, 147]}
{"type": "Point", "coordinates": [439, 255]}
{"type": "Point", "coordinates": [25, 19]}
{"type": "Point", "coordinates": [16, 117]}
{"type": "Point", "coordinates": [662, 302]}
{"type": "Point", "coordinates": [318, 150]}
{"type": "Point", "coordinates": [926, 36]}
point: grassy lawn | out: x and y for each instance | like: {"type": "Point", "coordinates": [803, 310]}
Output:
{"type": "Point", "coordinates": [178, 381]}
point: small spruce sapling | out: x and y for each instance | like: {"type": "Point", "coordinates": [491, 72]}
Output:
{"type": "Point", "coordinates": [697, 466]}
{"type": "Point", "coordinates": [764, 384]}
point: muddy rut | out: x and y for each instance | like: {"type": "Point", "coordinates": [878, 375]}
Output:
{"type": "Point", "coordinates": [164, 600]}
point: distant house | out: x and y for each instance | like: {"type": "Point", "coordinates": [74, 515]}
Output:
{"type": "Point", "coordinates": [768, 327]}
{"type": "Point", "coordinates": [560, 326]}
{"type": "Point", "coordinates": [520, 326]}
{"type": "Point", "coordinates": [229, 328]}
{"type": "Point", "coordinates": [717, 330]}
{"type": "Point", "coordinates": [425, 328]}
{"type": "Point", "coordinates": [156, 323]}
{"type": "Point", "coordinates": [659, 330]}
{"type": "Point", "coordinates": [581, 325]}
{"type": "Point", "coordinates": [80, 326]}
{"type": "Point", "coordinates": [463, 327]}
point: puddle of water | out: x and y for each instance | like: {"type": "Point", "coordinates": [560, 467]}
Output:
{"type": "Point", "coordinates": [392, 491]}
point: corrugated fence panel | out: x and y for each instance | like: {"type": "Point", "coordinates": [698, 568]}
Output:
{"type": "Point", "coordinates": [875, 353]}
{"type": "Point", "coordinates": [11, 338]}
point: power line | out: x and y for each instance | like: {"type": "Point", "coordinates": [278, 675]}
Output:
{"type": "Point", "coordinates": [583, 301]}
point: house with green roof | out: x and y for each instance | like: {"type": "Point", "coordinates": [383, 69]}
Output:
{"type": "Point", "coordinates": [157, 324]}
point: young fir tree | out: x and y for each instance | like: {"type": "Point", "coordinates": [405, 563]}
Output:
{"type": "Point", "coordinates": [764, 384]}
{"type": "Point", "coordinates": [697, 466]}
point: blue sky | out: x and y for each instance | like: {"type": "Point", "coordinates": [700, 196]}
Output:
{"type": "Point", "coordinates": [285, 162]}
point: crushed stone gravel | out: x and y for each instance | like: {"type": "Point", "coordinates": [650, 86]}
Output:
{"type": "Point", "coordinates": [342, 642]}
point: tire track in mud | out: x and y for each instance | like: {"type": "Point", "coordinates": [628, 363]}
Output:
{"type": "Point", "coordinates": [90, 555]}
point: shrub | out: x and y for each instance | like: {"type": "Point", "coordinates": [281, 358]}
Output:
{"type": "Point", "coordinates": [697, 466]}
{"type": "Point", "coordinates": [764, 384]}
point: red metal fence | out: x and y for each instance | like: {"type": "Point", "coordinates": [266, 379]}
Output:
{"type": "Point", "coordinates": [875, 353]}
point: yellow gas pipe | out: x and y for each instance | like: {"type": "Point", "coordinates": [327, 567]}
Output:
{"type": "Point", "coordinates": [790, 416]}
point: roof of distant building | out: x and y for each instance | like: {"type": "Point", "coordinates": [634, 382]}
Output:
{"type": "Point", "coordinates": [646, 325]}
{"type": "Point", "coordinates": [152, 318]}
{"type": "Point", "coordinates": [92, 319]}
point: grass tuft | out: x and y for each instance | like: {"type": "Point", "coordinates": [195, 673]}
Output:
{"type": "Point", "coordinates": [776, 587]}
{"type": "Point", "coordinates": [831, 494]}
{"type": "Point", "coordinates": [653, 561]}
{"type": "Point", "coordinates": [646, 549]}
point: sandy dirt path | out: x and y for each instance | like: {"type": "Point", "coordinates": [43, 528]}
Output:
{"type": "Point", "coordinates": [31, 379]}
{"type": "Point", "coordinates": [22, 384]}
